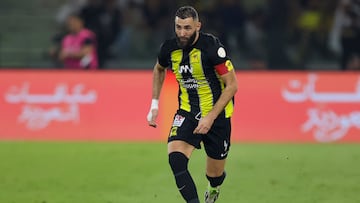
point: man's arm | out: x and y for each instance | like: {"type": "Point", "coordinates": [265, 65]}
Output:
{"type": "Point", "coordinates": [85, 50]}
{"type": "Point", "coordinates": [228, 93]}
{"type": "Point", "coordinates": [158, 81]}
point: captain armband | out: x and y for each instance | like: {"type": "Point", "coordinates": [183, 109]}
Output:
{"type": "Point", "coordinates": [224, 68]}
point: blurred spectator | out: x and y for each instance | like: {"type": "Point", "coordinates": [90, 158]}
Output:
{"type": "Point", "coordinates": [129, 41]}
{"type": "Point", "coordinates": [306, 28]}
{"type": "Point", "coordinates": [255, 40]}
{"type": "Point", "coordinates": [54, 51]}
{"type": "Point", "coordinates": [78, 49]}
{"type": "Point", "coordinates": [282, 35]}
{"type": "Point", "coordinates": [123, 45]}
{"type": "Point", "coordinates": [146, 25]}
{"type": "Point", "coordinates": [230, 21]}
{"type": "Point", "coordinates": [345, 35]}
{"type": "Point", "coordinates": [310, 26]}
{"type": "Point", "coordinates": [104, 18]}
{"type": "Point", "coordinates": [354, 63]}
{"type": "Point", "coordinates": [277, 15]}
{"type": "Point", "coordinates": [70, 7]}
{"type": "Point", "coordinates": [156, 14]}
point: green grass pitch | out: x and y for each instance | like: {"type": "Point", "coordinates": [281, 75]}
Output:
{"type": "Point", "coordinates": [89, 172]}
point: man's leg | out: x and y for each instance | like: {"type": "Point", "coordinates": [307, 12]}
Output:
{"type": "Point", "coordinates": [217, 145]}
{"type": "Point", "coordinates": [179, 154]}
{"type": "Point", "coordinates": [215, 173]}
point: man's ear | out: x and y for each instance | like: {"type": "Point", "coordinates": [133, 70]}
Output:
{"type": "Point", "coordinates": [198, 26]}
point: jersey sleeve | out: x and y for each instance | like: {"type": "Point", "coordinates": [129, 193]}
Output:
{"type": "Point", "coordinates": [164, 56]}
{"type": "Point", "coordinates": [219, 58]}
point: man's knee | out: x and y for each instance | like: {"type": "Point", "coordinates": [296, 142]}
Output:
{"type": "Point", "coordinates": [180, 146]}
{"type": "Point", "coordinates": [215, 168]}
{"type": "Point", "coordinates": [178, 162]}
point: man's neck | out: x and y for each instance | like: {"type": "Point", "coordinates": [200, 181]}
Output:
{"type": "Point", "coordinates": [196, 38]}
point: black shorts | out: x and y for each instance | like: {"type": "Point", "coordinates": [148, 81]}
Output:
{"type": "Point", "coordinates": [216, 142]}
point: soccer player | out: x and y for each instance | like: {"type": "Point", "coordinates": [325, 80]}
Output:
{"type": "Point", "coordinates": [78, 48]}
{"type": "Point", "coordinates": [207, 85]}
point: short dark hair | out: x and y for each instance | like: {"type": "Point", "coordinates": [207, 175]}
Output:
{"type": "Point", "coordinates": [76, 15]}
{"type": "Point", "coordinates": [187, 12]}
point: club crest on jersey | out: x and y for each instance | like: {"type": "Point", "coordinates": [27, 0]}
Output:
{"type": "Point", "coordinates": [185, 69]}
{"type": "Point", "coordinates": [195, 58]}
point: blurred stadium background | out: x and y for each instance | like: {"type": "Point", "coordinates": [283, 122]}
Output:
{"type": "Point", "coordinates": [261, 34]}
{"type": "Point", "coordinates": [81, 136]}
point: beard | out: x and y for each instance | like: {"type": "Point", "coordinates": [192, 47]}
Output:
{"type": "Point", "coordinates": [184, 42]}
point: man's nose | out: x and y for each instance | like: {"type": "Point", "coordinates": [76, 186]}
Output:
{"type": "Point", "coordinates": [182, 33]}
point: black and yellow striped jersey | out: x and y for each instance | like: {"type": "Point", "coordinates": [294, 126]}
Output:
{"type": "Point", "coordinates": [197, 70]}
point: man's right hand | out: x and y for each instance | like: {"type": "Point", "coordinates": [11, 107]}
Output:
{"type": "Point", "coordinates": [151, 117]}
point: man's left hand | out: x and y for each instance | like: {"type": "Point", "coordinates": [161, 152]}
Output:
{"type": "Point", "coordinates": [204, 125]}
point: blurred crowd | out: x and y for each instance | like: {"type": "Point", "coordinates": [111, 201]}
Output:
{"type": "Point", "coordinates": [271, 34]}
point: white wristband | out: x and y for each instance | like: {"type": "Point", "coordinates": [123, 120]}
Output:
{"type": "Point", "coordinates": [154, 104]}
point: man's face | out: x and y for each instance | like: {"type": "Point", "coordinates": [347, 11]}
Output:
{"type": "Point", "coordinates": [74, 24]}
{"type": "Point", "coordinates": [187, 31]}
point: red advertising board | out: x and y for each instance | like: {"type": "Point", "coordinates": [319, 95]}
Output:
{"type": "Point", "coordinates": [298, 107]}
{"type": "Point", "coordinates": [112, 105]}
{"type": "Point", "coordinates": [65, 105]}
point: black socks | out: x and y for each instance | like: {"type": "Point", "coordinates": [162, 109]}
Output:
{"type": "Point", "coordinates": [179, 165]}
{"type": "Point", "coordinates": [216, 181]}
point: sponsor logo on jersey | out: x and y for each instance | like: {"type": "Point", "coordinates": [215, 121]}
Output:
{"type": "Point", "coordinates": [192, 83]}
{"type": "Point", "coordinates": [178, 120]}
{"type": "Point", "coordinates": [221, 52]}
{"type": "Point", "coordinates": [185, 69]}
{"type": "Point", "coordinates": [173, 131]}
{"type": "Point", "coordinates": [226, 149]}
